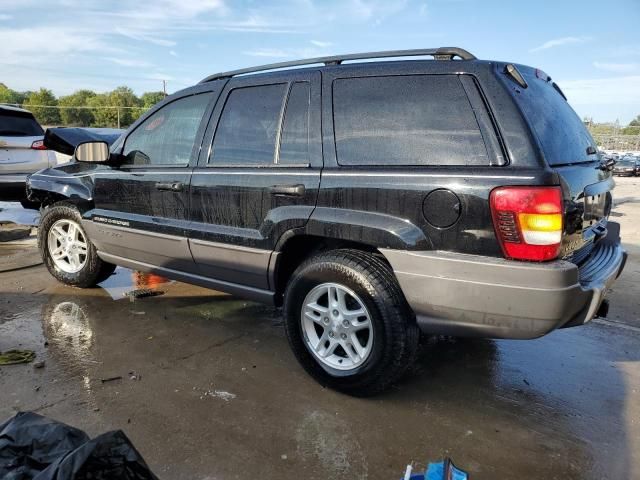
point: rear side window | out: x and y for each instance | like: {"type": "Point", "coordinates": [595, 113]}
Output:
{"type": "Point", "coordinates": [405, 120]}
{"type": "Point", "coordinates": [561, 133]}
{"type": "Point", "coordinates": [294, 141]}
{"type": "Point", "coordinates": [248, 127]}
{"type": "Point", "coordinates": [14, 124]}
{"type": "Point", "coordinates": [168, 135]}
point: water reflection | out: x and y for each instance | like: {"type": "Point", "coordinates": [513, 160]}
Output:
{"type": "Point", "coordinates": [69, 332]}
{"type": "Point", "coordinates": [124, 280]}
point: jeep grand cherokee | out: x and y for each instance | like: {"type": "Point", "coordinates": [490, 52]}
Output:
{"type": "Point", "coordinates": [372, 200]}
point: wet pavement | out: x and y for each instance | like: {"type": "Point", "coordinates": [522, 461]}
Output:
{"type": "Point", "coordinates": [210, 390]}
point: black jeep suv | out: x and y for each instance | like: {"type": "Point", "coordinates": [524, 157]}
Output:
{"type": "Point", "coordinates": [372, 200]}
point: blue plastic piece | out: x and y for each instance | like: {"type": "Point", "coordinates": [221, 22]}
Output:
{"type": "Point", "coordinates": [444, 470]}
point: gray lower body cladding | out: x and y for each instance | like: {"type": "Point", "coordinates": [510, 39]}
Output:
{"type": "Point", "coordinates": [469, 295]}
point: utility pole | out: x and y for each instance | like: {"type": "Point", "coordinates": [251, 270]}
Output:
{"type": "Point", "coordinates": [164, 87]}
{"type": "Point", "coordinates": [118, 110]}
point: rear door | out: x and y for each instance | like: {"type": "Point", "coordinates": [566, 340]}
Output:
{"type": "Point", "coordinates": [142, 206]}
{"type": "Point", "coordinates": [258, 176]}
{"type": "Point", "coordinates": [571, 152]}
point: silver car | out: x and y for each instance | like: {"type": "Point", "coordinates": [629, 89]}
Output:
{"type": "Point", "coordinates": [22, 151]}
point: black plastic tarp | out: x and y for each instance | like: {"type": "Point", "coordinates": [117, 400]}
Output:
{"type": "Point", "coordinates": [33, 447]}
{"type": "Point", "coordinates": [65, 140]}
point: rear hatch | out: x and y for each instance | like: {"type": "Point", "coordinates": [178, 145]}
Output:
{"type": "Point", "coordinates": [571, 152]}
{"type": "Point", "coordinates": [20, 134]}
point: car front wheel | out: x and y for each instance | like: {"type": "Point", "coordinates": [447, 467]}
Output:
{"type": "Point", "coordinates": [66, 250]}
{"type": "Point", "coordinates": [348, 322]}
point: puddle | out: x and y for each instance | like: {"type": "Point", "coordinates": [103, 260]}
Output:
{"type": "Point", "coordinates": [68, 330]}
{"type": "Point", "coordinates": [124, 281]}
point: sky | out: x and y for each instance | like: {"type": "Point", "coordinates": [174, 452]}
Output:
{"type": "Point", "coordinates": [590, 48]}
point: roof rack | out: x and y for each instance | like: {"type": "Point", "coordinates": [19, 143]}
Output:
{"type": "Point", "coordinates": [442, 53]}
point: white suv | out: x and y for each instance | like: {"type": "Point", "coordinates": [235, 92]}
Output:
{"type": "Point", "coordinates": [22, 151]}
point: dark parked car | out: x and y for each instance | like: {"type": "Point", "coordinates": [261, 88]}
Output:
{"type": "Point", "coordinates": [371, 200]}
{"type": "Point", "coordinates": [627, 167]}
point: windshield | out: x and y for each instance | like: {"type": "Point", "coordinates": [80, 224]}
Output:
{"type": "Point", "coordinates": [561, 133]}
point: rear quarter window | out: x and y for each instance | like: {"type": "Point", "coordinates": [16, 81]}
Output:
{"type": "Point", "coordinates": [14, 124]}
{"type": "Point", "coordinates": [411, 120]}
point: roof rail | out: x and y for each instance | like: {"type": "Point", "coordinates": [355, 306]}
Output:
{"type": "Point", "coordinates": [442, 53]}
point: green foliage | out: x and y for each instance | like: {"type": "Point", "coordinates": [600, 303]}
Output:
{"type": "Point", "coordinates": [149, 99]}
{"type": "Point", "coordinates": [631, 130]}
{"type": "Point", "coordinates": [104, 113]}
{"type": "Point", "coordinates": [11, 96]}
{"type": "Point", "coordinates": [77, 117]}
{"type": "Point", "coordinates": [43, 105]}
{"type": "Point", "coordinates": [635, 122]}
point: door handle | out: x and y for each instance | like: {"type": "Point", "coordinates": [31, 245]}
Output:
{"type": "Point", "coordinates": [287, 190]}
{"type": "Point", "coordinates": [170, 186]}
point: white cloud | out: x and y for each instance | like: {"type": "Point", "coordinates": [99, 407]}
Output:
{"type": "Point", "coordinates": [173, 53]}
{"type": "Point", "coordinates": [5, 16]}
{"type": "Point", "coordinates": [129, 62]}
{"type": "Point", "coordinates": [558, 42]}
{"type": "Point", "coordinates": [145, 37]}
{"type": "Point", "coordinates": [321, 44]}
{"type": "Point", "coordinates": [30, 45]}
{"type": "Point", "coordinates": [618, 67]}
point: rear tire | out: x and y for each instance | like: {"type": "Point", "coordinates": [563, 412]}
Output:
{"type": "Point", "coordinates": [322, 300]}
{"type": "Point", "coordinates": [66, 250]}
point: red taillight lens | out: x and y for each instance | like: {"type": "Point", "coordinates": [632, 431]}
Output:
{"type": "Point", "coordinates": [38, 145]}
{"type": "Point", "coordinates": [528, 221]}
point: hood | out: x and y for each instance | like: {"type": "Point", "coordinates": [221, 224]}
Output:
{"type": "Point", "coordinates": [64, 140]}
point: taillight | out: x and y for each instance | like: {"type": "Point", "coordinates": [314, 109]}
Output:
{"type": "Point", "coordinates": [38, 145]}
{"type": "Point", "coordinates": [528, 221]}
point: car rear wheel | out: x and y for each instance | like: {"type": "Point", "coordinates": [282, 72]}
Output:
{"type": "Point", "coordinates": [66, 250]}
{"type": "Point", "coordinates": [348, 323]}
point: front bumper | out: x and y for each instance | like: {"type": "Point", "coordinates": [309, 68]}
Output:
{"type": "Point", "coordinates": [470, 295]}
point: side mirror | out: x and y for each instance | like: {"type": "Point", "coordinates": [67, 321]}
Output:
{"type": "Point", "coordinates": [93, 152]}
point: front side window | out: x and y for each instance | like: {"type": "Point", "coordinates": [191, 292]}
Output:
{"type": "Point", "coordinates": [409, 120]}
{"type": "Point", "coordinates": [167, 136]}
{"type": "Point", "coordinates": [248, 127]}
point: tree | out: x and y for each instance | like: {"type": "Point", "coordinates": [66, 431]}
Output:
{"type": "Point", "coordinates": [78, 117]}
{"type": "Point", "coordinates": [635, 122]}
{"type": "Point", "coordinates": [44, 106]}
{"type": "Point", "coordinates": [102, 117]}
{"type": "Point", "coordinates": [105, 115]}
{"type": "Point", "coordinates": [149, 99]}
{"type": "Point", "coordinates": [10, 96]}
{"type": "Point", "coordinates": [631, 130]}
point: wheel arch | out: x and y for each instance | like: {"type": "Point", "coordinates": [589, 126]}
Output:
{"type": "Point", "coordinates": [296, 246]}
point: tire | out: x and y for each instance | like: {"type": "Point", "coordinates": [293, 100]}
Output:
{"type": "Point", "coordinates": [368, 280]}
{"type": "Point", "coordinates": [90, 269]}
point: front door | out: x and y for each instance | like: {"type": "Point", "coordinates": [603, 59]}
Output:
{"type": "Point", "coordinates": [142, 206]}
{"type": "Point", "coordinates": [257, 176]}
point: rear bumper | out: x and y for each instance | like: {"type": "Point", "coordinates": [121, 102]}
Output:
{"type": "Point", "coordinates": [469, 295]}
